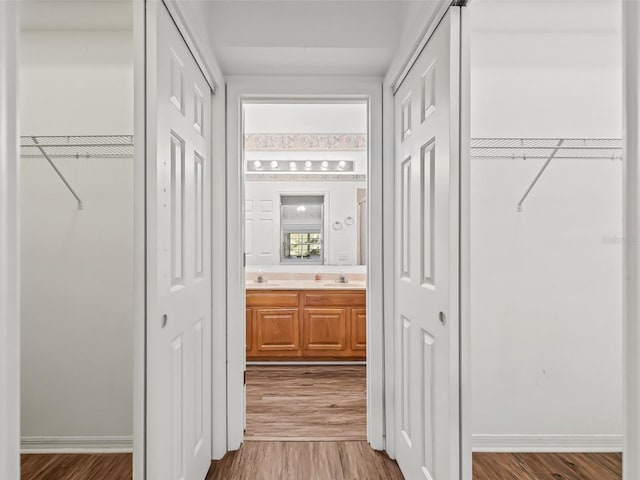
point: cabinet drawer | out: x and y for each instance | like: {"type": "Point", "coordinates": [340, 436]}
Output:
{"type": "Point", "coordinates": [332, 298]}
{"type": "Point", "coordinates": [272, 299]}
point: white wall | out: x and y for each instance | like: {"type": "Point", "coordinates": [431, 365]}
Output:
{"type": "Point", "coordinates": [546, 282]}
{"type": "Point", "coordinates": [77, 284]}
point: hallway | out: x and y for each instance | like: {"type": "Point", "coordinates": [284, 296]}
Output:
{"type": "Point", "coordinates": [305, 460]}
{"type": "Point", "coordinates": [325, 402]}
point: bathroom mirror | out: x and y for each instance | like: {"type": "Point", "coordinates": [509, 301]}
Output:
{"type": "Point", "coordinates": [305, 184]}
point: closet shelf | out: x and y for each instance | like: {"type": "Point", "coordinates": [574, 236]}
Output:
{"type": "Point", "coordinates": [103, 146]}
{"type": "Point", "coordinates": [545, 148]}
{"type": "Point", "coordinates": [523, 148]}
{"type": "Point", "coordinates": [97, 146]}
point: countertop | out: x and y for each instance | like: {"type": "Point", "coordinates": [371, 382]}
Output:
{"type": "Point", "coordinates": [278, 284]}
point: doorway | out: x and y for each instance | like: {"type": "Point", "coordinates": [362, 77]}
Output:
{"type": "Point", "coordinates": [312, 232]}
{"type": "Point", "coordinates": [305, 163]}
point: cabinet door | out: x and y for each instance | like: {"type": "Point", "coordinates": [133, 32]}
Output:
{"type": "Point", "coordinates": [249, 335]}
{"type": "Point", "coordinates": [324, 331]}
{"type": "Point", "coordinates": [359, 330]}
{"type": "Point", "coordinates": [277, 331]}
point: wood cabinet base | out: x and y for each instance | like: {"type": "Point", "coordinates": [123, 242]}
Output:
{"type": "Point", "coordinates": [306, 325]}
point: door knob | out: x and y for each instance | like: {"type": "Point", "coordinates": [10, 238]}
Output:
{"type": "Point", "coordinates": [443, 318]}
{"type": "Point", "coordinates": [164, 320]}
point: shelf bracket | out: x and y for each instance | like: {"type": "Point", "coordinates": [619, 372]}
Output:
{"type": "Point", "coordinates": [537, 177]}
{"type": "Point", "coordinates": [58, 172]}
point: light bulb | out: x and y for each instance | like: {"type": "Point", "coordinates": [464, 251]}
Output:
{"type": "Point", "coordinates": [257, 164]}
{"type": "Point", "coordinates": [301, 208]}
{"type": "Point", "coordinates": [307, 165]}
{"type": "Point", "coordinates": [292, 166]}
{"type": "Point", "coordinates": [325, 165]}
{"type": "Point", "coordinates": [342, 164]}
{"type": "Point", "coordinates": [274, 164]}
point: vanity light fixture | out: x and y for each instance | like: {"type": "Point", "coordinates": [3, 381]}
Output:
{"type": "Point", "coordinates": [301, 208]}
{"type": "Point", "coordinates": [274, 164]}
{"type": "Point", "coordinates": [257, 164]}
{"type": "Point", "coordinates": [292, 166]}
{"type": "Point", "coordinates": [308, 165]}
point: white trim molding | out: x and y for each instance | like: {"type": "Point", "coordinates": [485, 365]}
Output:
{"type": "Point", "coordinates": [631, 244]}
{"type": "Point", "coordinates": [9, 245]}
{"type": "Point", "coordinates": [75, 444]}
{"type": "Point", "coordinates": [547, 443]}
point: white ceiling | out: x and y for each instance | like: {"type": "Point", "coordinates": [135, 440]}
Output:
{"type": "Point", "coordinates": [324, 37]}
{"type": "Point", "coordinates": [309, 37]}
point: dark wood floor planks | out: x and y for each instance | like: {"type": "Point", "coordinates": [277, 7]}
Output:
{"type": "Point", "coordinates": [329, 460]}
{"type": "Point", "coordinates": [324, 402]}
{"type": "Point", "coordinates": [542, 466]}
{"type": "Point", "coordinates": [111, 466]}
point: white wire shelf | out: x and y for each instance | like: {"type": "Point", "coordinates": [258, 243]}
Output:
{"type": "Point", "coordinates": [102, 146]}
{"type": "Point", "coordinates": [570, 148]}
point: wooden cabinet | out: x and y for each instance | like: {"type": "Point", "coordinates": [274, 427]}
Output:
{"type": "Point", "coordinates": [306, 324]}
{"type": "Point", "coordinates": [249, 335]}
{"type": "Point", "coordinates": [324, 331]}
{"type": "Point", "coordinates": [277, 330]}
{"type": "Point", "coordinates": [358, 329]}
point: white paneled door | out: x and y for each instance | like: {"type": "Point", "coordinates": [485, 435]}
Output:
{"type": "Point", "coordinates": [427, 139]}
{"type": "Point", "coordinates": [178, 256]}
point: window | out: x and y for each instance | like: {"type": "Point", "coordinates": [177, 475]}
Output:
{"type": "Point", "coordinates": [303, 245]}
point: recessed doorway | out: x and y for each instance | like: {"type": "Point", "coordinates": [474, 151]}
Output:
{"type": "Point", "coordinates": [305, 235]}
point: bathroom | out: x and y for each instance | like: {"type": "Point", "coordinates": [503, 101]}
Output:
{"type": "Point", "coordinates": [305, 235]}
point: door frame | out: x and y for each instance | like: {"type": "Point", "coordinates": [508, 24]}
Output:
{"type": "Point", "coordinates": [9, 244]}
{"type": "Point", "coordinates": [419, 33]}
{"type": "Point", "coordinates": [260, 88]}
{"type": "Point", "coordinates": [197, 42]}
{"type": "Point", "coordinates": [631, 245]}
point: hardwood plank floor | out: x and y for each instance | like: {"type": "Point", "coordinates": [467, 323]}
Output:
{"type": "Point", "coordinates": [305, 460]}
{"type": "Point", "coordinates": [542, 466]}
{"type": "Point", "coordinates": [112, 466]}
{"type": "Point", "coordinates": [329, 460]}
{"type": "Point", "coordinates": [323, 402]}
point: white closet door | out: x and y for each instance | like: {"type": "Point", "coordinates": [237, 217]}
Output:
{"type": "Point", "coordinates": [427, 254]}
{"type": "Point", "coordinates": [178, 256]}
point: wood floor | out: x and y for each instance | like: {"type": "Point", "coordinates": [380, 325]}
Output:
{"type": "Point", "coordinates": [305, 460]}
{"type": "Point", "coordinates": [116, 466]}
{"type": "Point", "coordinates": [339, 460]}
{"type": "Point", "coordinates": [324, 402]}
{"type": "Point", "coordinates": [542, 466]}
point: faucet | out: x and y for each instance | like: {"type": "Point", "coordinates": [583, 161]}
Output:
{"type": "Point", "coordinates": [260, 278]}
{"type": "Point", "coordinates": [342, 278]}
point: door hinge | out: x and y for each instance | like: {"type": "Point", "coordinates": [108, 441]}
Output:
{"type": "Point", "coordinates": [244, 379]}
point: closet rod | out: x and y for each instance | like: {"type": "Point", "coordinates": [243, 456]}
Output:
{"type": "Point", "coordinates": [55, 168]}
{"type": "Point", "coordinates": [535, 180]}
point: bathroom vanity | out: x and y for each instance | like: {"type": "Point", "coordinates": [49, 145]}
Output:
{"type": "Point", "coordinates": [306, 320]}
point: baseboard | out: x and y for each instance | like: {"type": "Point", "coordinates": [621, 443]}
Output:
{"type": "Point", "coordinates": [548, 443]}
{"type": "Point", "coordinates": [76, 444]}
